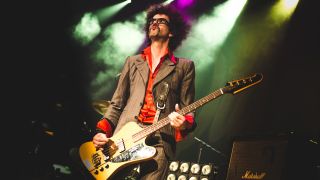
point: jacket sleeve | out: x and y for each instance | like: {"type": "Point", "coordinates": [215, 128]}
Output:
{"type": "Point", "coordinates": [191, 125]}
{"type": "Point", "coordinates": [187, 96]}
{"type": "Point", "coordinates": [118, 101]}
{"type": "Point", "coordinates": [105, 126]}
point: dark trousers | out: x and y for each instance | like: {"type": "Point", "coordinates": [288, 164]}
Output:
{"type": "Point", "coordinates": [154, 169]}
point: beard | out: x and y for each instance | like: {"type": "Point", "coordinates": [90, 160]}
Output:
{"type": "Point", "coordinates": [155, 34]}
{"type": "Point", "coordinates": [154, 31]}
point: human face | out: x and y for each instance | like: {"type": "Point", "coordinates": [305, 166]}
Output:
{"type": "Point", "coordinates": [159, 21]}
{"type": "Point", "coordinates": [159, 27]}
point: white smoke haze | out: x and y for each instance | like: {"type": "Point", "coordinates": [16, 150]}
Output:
{"type": "Point", "coordinates": [87, 29]}
{"type": "Point", "coordinates": [119, 40]}
{"type": "Point", "coordinates": [210, 32]}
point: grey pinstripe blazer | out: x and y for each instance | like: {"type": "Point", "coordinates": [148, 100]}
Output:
{"type": "Point", "coordinates": [129, 95]}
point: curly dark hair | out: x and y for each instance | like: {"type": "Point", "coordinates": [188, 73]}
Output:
{"type": "Point", "coordinates": [177, 25]}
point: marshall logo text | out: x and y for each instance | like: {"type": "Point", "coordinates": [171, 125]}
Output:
{"type": "Point", "coordinates": [251, 175]}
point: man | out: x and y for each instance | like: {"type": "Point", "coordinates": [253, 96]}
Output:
{"type": "Point", "coordinates": [140, 85]}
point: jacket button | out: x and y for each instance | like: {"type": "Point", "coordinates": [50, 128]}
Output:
{"type": "Point", "coordinates": [141, 104]}
{"type": "Point", "coordinates": [136, 117]}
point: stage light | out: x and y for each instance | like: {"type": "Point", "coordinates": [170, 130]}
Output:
{"type": "Point", "coordinates": [204, 178]}
{"type": "Point", "coordinates": [182, 177]}
{"type": "Point", "coordinates": [193, 178]}
{"type": "Point", "coordinates": [171, 177]}
{"type": "Point", "coordinates": [283, 10]}
{"type": "Point", "coordinates": [206, 169]}
{"type": "Point", "coordinates": [211, 29]}
{"type": "Point", "coordinates": [183, 170]}
{"type": "Point", "coordinates": [184, 167]}
{"type": "Point", "coordinates": [195, 168]}
{"type": "Point", "coordinates": [106, 13]}
{"type": "Point", "coordinates": [173, 166]}
{"type": "Point", "coordinates": [167, 2]}
{"type": "Point", "coordinates": [89, 26]}
{"type": "Point", "coordinates": [185, 3]}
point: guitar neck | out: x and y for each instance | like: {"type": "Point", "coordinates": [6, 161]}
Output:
{"type": "Point", "coordinates": [190, 108]}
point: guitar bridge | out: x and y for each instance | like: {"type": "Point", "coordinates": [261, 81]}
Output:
{"type": "Point", "coordinates": [120, 145]}
{"type": "Point", "coordinates": [96, 160]}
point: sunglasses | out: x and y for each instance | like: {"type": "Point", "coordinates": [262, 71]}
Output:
{"type": "Point", "coordinates": [159, 21]}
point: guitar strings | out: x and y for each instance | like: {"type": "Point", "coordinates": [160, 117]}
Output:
{"type": "Point", "coordinates": [151, 128]}
{"type": "Point", "coordinates": [137, 135]}
{"type": "Point", "coordinates": [110, 151]}
{"type": "Point", "coordinates": [200, 102]}
{"type": "Point", "coordinates": [197, 103]}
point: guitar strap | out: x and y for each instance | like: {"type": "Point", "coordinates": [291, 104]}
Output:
{"type": "Point", "coordinates": [161, 100]}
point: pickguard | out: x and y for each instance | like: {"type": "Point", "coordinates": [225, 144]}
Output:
{"type": "Point", "coordinates": [139, 151]}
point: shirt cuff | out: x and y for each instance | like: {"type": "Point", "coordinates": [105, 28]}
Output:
{"type": "Point", "coordinates": [181, 134]}
{"type": "Point", "coordinates": [105, 126]}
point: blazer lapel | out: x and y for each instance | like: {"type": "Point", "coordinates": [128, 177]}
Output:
{"type": "Point", "coordinates": [165, 69]}
{"type": "Point", "coordinates": [143, 69]}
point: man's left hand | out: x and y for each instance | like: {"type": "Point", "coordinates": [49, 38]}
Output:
{"type": "Point", "coordinates": [177, 120]}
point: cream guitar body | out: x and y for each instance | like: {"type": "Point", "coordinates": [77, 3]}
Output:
{"type": "Point", "coordinates": [103, 164]}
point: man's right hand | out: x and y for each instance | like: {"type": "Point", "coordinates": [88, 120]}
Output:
{"type": "Point", "coordinates": [99, 140]}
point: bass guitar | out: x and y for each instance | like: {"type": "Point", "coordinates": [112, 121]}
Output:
{"type": "Point", "coordinates": [128, 145]}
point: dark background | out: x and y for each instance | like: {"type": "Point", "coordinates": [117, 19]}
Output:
{"type": "Point", "coordinates": [47, 82]}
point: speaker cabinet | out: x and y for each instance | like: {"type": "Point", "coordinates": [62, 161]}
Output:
{"type": "Point", "coordinates": [273, 158]}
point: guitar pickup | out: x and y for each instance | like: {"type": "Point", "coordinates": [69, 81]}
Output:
{"type": "Point", "coordinates": [96, 160]}
{"type": "Point", "coordinates": [120, 145]}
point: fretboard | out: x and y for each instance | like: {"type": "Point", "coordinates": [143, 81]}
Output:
{"type": "Point", "coordinates": [190, 108]}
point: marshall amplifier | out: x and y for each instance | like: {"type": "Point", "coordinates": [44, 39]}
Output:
{"type": "Point", "coordinates": [273, 158]}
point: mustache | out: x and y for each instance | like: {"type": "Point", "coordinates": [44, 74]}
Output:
{"type": "Point", "coordinates": [154, 25]}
